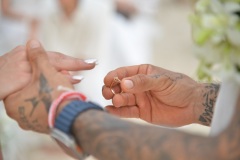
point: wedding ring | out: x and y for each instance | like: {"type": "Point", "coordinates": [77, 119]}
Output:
{"type": "Point", "coordinates": [115, 81]}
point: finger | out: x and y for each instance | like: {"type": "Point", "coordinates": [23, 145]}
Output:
{"type": "Point", "coordinates": [124, 112]}
{"type": "Point", "coordinates": [72, 79]}
{"type": "Point", "coordinates": [124, 99]}
{"type": "Point", "coordinates": [38, 58]}
{"type": "Point", "coordinates": [24, 67]}
{"type": "Point", "coordinates": [18, 53]}
{"type": "Point", "coordinates": [19, 48]}
{"type": "Point", "coordinates": [107, 93]}
{"type": "Point", "coordinates": [124, 72]}
{"type": "Point", "coordinates": [64, 62]}
{"type": "Point", "coordinates": [141, 83]}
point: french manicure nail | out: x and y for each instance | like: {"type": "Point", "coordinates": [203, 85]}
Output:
{"type": "Point", "coordinates": [34, 44]}
{"type": "Point", "coordinates": [91, 61]}
{"type": "Point", "coordinates": [79, 77]}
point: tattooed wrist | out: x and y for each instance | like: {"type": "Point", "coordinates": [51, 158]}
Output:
{"type": "Point", "coordinates": [208, 97]}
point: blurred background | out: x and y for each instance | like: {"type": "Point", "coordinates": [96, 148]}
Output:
{"type": "Point", "coordinates": [116, 32]}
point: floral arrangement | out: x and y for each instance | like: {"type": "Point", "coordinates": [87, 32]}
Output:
{"type": "Point", "coordinates": [216, 34]}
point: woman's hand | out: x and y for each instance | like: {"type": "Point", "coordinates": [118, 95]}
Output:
{"type": "Point", "coordinates": [30, 106]}
{"type": "Point", "coordinates": [15, 69]}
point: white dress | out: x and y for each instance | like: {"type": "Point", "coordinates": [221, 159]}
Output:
{"type": "Point", "coordinates": [96, 31]}
{"type": "Point", "coordinates": [16, 32]}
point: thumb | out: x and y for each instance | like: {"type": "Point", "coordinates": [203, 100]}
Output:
{"type": "Point", "coordinates": [37, 55]}
{"type": "Point", "coordinates": [139, 83]}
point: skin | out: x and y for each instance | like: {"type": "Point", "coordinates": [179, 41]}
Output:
{"type": "Point", "coordinates": [68, 6]}
{"type": "Point", "coordinates": [160, 96]}
{"type": "Point", "coordinates": [8, 12]}
{"type": "Point", "coordinates": [15, 69]}
{"type": "Point", "coordinates": [25, 104]}
{"type": "Point", "coordinates": [107, 137]}
{"type": "Point", "coordinates": [126, 8]}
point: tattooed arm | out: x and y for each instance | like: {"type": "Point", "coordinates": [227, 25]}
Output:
{"type": "Point", "coordinates": [160, 96]}
{"type": "Point", "coordinates": [107, 138]}
{"type": "Point", "coordinates": [206, 103]}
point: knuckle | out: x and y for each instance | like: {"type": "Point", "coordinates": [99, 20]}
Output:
{"type": "Point", "coordinates": [20, 48]}
{"type": "Point", "coordinates": [141, 79]}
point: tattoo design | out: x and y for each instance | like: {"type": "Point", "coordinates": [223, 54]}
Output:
{"type": "Point", "coordinates": [44, 94]}
{"type": "Point", "coordinates": [209, 101]}
{"type": "Point", "coordinates": [32, 125]}
{"type": "Point", "coordinates": [173, 78]}
{"type": "Point", "coordinates": [34, 103]}
{"type": "Point", "coordinates": [107, 138]}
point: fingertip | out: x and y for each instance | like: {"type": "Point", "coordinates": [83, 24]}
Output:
{"type": "Point", "coordinates": [78, 77]}
{"type": "Point", "coordinates": [106, 92]}
{"type": "Point", "coordinates": [36, 53]}
{"type": "Point", "coordinates": [108, 109]}
{"type": "Point", "coordinates": [117, 101]}
{"type": "Point", "coordinates": [92, 61]}
{"type": "Point", "coordinates": [127, 84]}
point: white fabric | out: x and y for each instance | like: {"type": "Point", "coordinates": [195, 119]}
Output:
{"type": "Point", "coordinates": [15, 32]}
{"type": "Point", "coordinates": [95, 31]}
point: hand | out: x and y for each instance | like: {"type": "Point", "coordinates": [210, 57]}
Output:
{"type": "Point", "coordinates": [15, 69]}
{"type": "Point", "coordinates": [30, 106]}
{"type": "Point", "coordinates": [153, 94]}
{"type": "Point", "coordinates": [126, 7]}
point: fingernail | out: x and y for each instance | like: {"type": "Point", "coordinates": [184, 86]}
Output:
{"type": "Point", "coordinates": [79, 77]}
{"type": "Point", "coordinates": [91, 61]}
{"type": "Point", "coordinates": [128, 84]}
{"type": "Point", "coordinates": [34, 44]}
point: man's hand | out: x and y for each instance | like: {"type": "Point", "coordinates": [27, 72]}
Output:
{"type": "Point", "coordinates": [153, 94]}
{"type": "Point", "coordinates": [30, 106]}
{"type": "Point", "coordinates": [15, 69]}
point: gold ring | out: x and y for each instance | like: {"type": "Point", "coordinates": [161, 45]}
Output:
{"type": "Point", "coordinates": [115, 81]}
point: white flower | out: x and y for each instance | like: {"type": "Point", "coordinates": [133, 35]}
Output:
{"type": "Point", "coordinates": [233, 36]}
{"type": "Point", "coordinates": [216, 33]}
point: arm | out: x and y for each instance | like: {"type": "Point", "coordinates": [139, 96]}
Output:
{"type": "Point", "coordinates": [107, 137]}
{"type": "Point", "coordinates": [206, 103]}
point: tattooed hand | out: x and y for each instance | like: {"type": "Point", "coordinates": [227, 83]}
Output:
{"type": "Point", "coordinates": [153, 94]}
{"type": "Point", "coordinates": [15, 69]}
{"type": "Point", "coordinates": [30, 106]}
